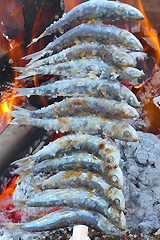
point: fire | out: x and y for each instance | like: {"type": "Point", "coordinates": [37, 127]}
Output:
{"type": "Point", "coordinates": [151, 87]}
{"type": "Point", "coordinates": [149, 29]}
{"type": "Point", "coordinates": [150, 33]}
{"type": "Point", "coordinates": [6, 204]}
{"type": "Point", "coordinates": [8, 192]}
{"type": "Point", "coordinates": [13, 14]}
{"type": "Point", "coordinates": [69, 4]}
{"type": "Point", "coordinates": [4, 107]}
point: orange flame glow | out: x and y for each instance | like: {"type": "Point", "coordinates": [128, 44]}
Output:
{"type": "Point", "coordinates": [15, 50]}
{"type": "Point", "coordinates": [12, 16]}
{"type": "Point", "coordinates": [8, 192]}
{"type": "Point", "coordinates": [42, 99]}
{"type": "Point", "coordinates": [150, 33]}
{"type": "Point", "coordinates": [151, 111]}
{"type": "Point", "coordinates": [149, 29]}
{"type": "Point", "coordinates": [69, 4]}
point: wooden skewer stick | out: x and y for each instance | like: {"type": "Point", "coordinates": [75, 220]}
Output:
{"type": "Point", "coordinates": [80, 232]}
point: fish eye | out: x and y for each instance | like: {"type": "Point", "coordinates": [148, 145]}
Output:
{"type": "Point", "coordinates": [114, 178]}
{"type": "Point", "coordinates": [132, 42]}
{"type": "Point", "coordinates": [109, 133]}
{"type": "Point", "coordinates": [131, 99]}
{"type": "Point", "coordinates": [110, 159]}
{"type": "Point", "coordinates": [131, 13]}
{"type": "Point", "coordinates": [126, 134]}
{"type": "Point", "coordinates": [123, 61]}
{"type": "Point", "coordinates": [116, 57]}
{"type": "Point", "coordinates": [116, 202]}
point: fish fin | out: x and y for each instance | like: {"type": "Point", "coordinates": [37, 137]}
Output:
{"type": "Point", "coordinates": [20, 113]}
{"type": "Point", "coordinates": [17, 107]}
{"type": "Point", "coordinates": [19, 69]}
{"type": "Point", "coordinates": [19, 207]}
{"type": "Point", "coordinates": [34, 40]}
{"type": "Point", "coordinates": [16, 121]}
{"type": "Point", "coordinates": [22, 161]}
{"type": "Point", "coordinates": [23, 92]}
{"type": "Point", "coordinates": [22, 76]}
{"type": "Point", "coordinates": [37, 187]}
{"type": "Point", "coordinates": [21, 171]}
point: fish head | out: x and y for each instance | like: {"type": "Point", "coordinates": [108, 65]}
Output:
{"type": "Point", "coordinates": [132, 74]}
{"type": "Point", "coordinates": [126, 132]}
{"type": "Point", "coordinates": [132, 100]}
{"type": "Point", "coordinates": [129, 12]}
{"type": "Point", "coordinates": [115, 177]}
{"type": "Point", "coordinates": [117, 198]}
{"type": "Point", "coordinates": [117, 217]}
{"type": "Point", "coordinates": [122, 59]}
{"type": "Point", "coordinates": [111, 156]}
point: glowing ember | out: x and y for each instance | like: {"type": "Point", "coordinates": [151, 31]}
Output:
{"type": "Point", "coordinates": [8, 192]}
{"type": "Point", "coordinates": [6, 203]}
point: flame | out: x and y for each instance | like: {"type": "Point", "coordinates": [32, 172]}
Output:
{"type": "Point", "coordinates": [149, 89]}
{"type": "Point", "coordinates": [11, 21]}
{"type": "Point", "coordinates": [69, 4]}
{"type": "Point", "coordinates": [8, 192]}
{"type": "Point", "coordinates": [150, 33]}
{"type": "Point", "coordinates": [14, 47]}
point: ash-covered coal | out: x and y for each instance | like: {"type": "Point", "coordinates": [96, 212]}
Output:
{"type": "Point", "coordinates": [141, 168]}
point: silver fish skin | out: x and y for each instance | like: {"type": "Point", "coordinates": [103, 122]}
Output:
{"type": "Point", "coordinates": [69, 217]}
{"type": "Point", "coordinates": [81, 67]}
{"type": "Point", "coordinates": [105, 149]}
{"type": "Point", "coordinates": [83, 124]}
{"type": "Point", "coordinates": [78, 198]}
{"type": "Point", "coordinates": [103, 88]}
{"type": "Point", "coordinates": [141, 56]}
{"type": "Point", "coordinates": [76, 161]}
{"type": "Point", "coordinates": [76, 179]}
{"type": "Point", "coordinates": [101, 33]}
{"type": "Point", "coordinates": [132, 74]}
{"type": "Point", "coordinates": [84, 67]}
{"type": "Point", "coordinates": [102, 10]}
{"type": "Point", "coordinates": [111, 54]}
{"type": "Point", "coordinates": [80, 161]}
{"type": "Point", "coordinates": [83, 106]}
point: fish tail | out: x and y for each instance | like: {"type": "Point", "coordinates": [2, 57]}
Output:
{"type": "Point", "coordinates": [22, 161]}
{"type": "Point", "coordinates": [21, 206]}
{"type": "Point", "coordinates": [24, 92]}
{"type": "Point", "coordinates": [13, 226]}
{"type": "Point", "coordinates": [19, 69]}
{"type": "Point", "coordinates": [20, 113]}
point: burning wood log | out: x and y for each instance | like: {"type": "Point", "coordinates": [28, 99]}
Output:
{"type": "Point", "coordinates": [13, 140]}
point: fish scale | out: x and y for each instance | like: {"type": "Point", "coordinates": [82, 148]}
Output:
{"type": "Point", "coordinates": [81, 169]}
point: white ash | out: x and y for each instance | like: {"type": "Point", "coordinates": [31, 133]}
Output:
{"type": "Point", "coordinates": [141, 168]}
{"type": "Point", "coordinates": [19, 235]}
